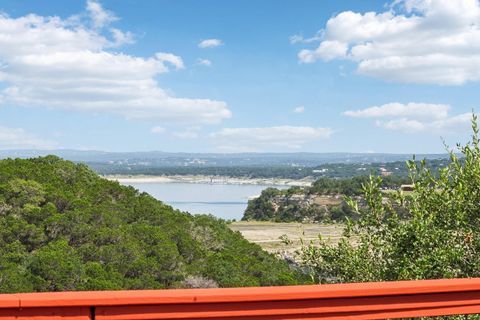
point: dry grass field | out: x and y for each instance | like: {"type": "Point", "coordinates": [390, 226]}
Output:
{"type": "Point", "coordinates": [267, 234]}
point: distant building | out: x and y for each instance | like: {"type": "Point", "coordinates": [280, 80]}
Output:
{"type": "Point", "coordinates": [384, 172]}
{"type": "Point", "coordinates": [406, 187]}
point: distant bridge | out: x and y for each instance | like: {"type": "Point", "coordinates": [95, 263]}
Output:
{"type": "Point", "coordinates": [376, 300]}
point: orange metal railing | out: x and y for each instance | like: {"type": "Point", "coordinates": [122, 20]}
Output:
{"type": "Point", "coordinates": [377, 300]}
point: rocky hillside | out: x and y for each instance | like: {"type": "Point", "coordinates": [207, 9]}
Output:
{"type": "Point", "coordinates": [296, 205]}
{"type": "Point", "coordinates": [322, 202]}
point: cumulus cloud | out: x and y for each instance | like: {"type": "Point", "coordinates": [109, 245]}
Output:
{"type": "Point", "coordinates": [204, 62]}
{"type": "Point", "coordinates": [56, 63]}
{"type": "Point", "coordinates": [210, 43]}
{"type": "Point", "coordinates": [267, 138]}
{"type": "Point", "coordinates": [176, 61]}
{"type": "Point", "coordinates": [414, 117]}
{"type": "Point", "coordinates": [299, 109]}
{"type": "Point", "coordinates": [17, 138]}
{"type": "Point", "coordinates": [414, 41]}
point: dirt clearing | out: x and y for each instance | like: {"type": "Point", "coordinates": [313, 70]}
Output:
{"type": "Point", "coordinates": [267, 234]}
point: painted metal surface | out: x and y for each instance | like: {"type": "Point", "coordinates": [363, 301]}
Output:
{"type": "Point", "coordinates": [376, 300]}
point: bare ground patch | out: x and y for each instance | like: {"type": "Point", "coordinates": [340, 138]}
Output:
{"type": "Point", "coordinates": [267, 234]}
{"type": "Point", "coordinates": [328, 200]}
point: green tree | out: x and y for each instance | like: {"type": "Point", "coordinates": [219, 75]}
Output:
{"type": "Point", "coordinates": [56, 267]}
{"type": "Point", "coordinates": [21, 192]}
{"type": "Point", "coordinates": [440, 237]}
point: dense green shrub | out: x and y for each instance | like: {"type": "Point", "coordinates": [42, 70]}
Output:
{"type": "Point", "coordinates": [440, 237]}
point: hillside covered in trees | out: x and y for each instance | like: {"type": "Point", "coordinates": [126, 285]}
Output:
{"type": "Point", "coordinates": [62, 227]}
{"type": "Point", "coordinates": [322, 202]}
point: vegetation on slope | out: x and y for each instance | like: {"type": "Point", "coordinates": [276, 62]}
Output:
{"type": "Point", "coordinates": [64, 228]}
{"type": "Point", "coordinates": [439, 239]}
{"type": "Point", "coordinates": [322, 202]}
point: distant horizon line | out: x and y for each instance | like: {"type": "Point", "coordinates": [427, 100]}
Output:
{"type": "Point", "coordinates": [220, 153]}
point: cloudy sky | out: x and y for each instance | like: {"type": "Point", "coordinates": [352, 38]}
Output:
{"type": "Point", "coordinates": [234, 76]}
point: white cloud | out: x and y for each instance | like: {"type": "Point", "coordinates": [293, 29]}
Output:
{"type": "Point", "coordinates": [170, 58]}
{"type": "Point", "coordinates": [297, 38]}
{"type": "Point", "coordinates": [457, 123]}
{"type": "Point", "coordinates": [412, 110]}
{"type": "Point", "coordinates": [402, 124]}
{"type": "Point", "coordinates": [158, 129]}
{"type": "Point", "coordinates": [267, 138]}
{"type": "Point", "coordinates": [415, 41]}
{"type": "Point", "coordinates": [414, 117]}
{"type": "Point", "coordinates": [100, 17]}
{"type": "Point", "coordinates": [55, 63]}
{"type": "Point", "coordinates": [17, 138]}
{"type": "Point", "coordinates": [204, 62]}
{"type": "Point", "coordinates": [121, 38]}
{"type": "Point", "coordinates": [210, 43]}
{"type": "Point", "coordinates": [300, 109]}
{"type": "Point", "coordinates": [328, 50]}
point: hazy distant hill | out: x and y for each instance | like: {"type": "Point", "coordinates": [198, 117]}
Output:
{"type": "Point", "coordinates": [165, 159]}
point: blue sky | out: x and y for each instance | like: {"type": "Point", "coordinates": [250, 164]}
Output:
{"type": "Point", "coordinates": [233, 76]}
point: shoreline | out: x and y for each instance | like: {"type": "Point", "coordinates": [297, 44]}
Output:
{"type": "Point", "coordinates": [202, 179]}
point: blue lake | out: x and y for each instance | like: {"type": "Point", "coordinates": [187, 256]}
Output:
{"type": "Point", "coordinates": [227, 201]}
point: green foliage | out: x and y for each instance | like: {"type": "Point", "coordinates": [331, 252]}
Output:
{"type": "Point", "coordinates": [353, 186]}
{"type": "Point", "coordinates": [439, 239]}
{"type": "Point", "coordinates": [64, 228]}
{"type": "Point", "coordinates": [261, 208]}
{"type": "Point", "coordinates": [349, 187]}
{"type": "Point", "coordinates": [56, 267]}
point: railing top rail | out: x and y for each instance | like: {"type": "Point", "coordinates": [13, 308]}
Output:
{"type": "Point", "coordinates": [227, 295]}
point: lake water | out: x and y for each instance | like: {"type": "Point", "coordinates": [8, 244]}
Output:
{"type": "Point", "coordinates": [227, 201]}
